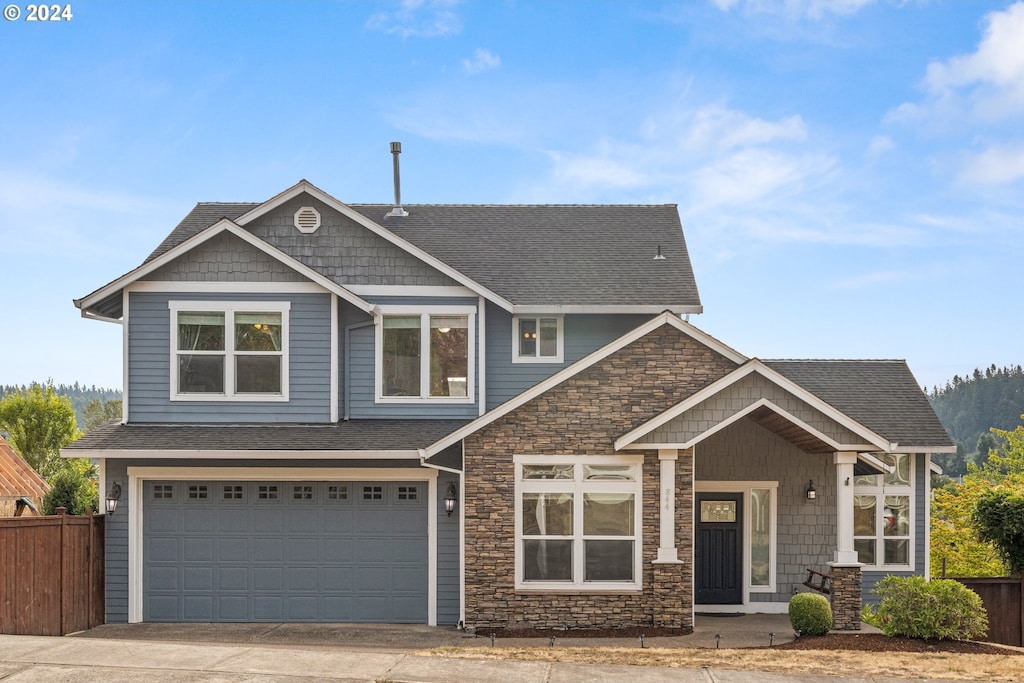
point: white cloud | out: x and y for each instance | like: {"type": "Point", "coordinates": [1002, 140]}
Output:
{"type": "Point", "coordinates": [880, 144]}
{"type": "Point", "coordinates": [482, 60]}
{"type": "Point", "coordinates": [419, 18]}
{"type": "Point", "coordinates": [994, 166]}
{"type": "Point", "coordinates": [812, 9]}
{"type": "Point", "coordinates": [986, 85]}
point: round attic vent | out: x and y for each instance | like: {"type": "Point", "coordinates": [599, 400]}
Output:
{"type": "Point", "coordinates": [307, 219]}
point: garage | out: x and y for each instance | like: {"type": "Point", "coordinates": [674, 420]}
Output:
{"type": "Point", "coordinates": [279, 551]}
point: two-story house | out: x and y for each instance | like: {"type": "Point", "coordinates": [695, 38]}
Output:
{"type": "Point", "coordinates": [494, 415]}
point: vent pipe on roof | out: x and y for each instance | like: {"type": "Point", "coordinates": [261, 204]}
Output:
{"type": "Point", "coordinates": [396, 149]}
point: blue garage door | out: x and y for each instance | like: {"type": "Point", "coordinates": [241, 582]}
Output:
{"type": "Point", "coordinates": [285, 551]}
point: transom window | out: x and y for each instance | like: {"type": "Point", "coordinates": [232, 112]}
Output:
{"type": "Point", "coordinates": [426, 355]}
{"type": "Point", "coordinates": [537, 339]}
{"type": "Point", "coordinates": [883, 514]}
{"type": "Point", "coordinates": [232, 350]}
{"type": "Point", "coordinates": [578, 522]}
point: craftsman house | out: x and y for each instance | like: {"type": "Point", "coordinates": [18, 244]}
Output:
{"type": "Point", "coordinates": [494, 415]}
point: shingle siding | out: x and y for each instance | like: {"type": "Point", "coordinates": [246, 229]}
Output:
{"type": "Point", "coordinates": [149, 358]}
{"type": "Point", "coordinates": [225, 258]}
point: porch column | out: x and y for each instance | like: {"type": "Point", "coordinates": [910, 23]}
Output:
{"type": "Point", "coordinates": [844, 462]}
{"type": "Point", "coordinates": [845, 568]}
{"type": "Point", "coordinates": [667, 551]}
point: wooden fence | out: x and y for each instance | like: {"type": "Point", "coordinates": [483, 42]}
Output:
{"type": "Point", "coordinates": [51, 574]}
{"type": "Point", "coordinates": [1003, 601]}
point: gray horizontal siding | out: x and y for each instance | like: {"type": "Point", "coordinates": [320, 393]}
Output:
{"type": "Point", "coordinates": [116, 547]}
{"type": "Point", "coordinates": [583, 335]}
{"type": "Point", "coordinates": [150, 364]}
{"type": "Point", "coordinates": [448, 585]}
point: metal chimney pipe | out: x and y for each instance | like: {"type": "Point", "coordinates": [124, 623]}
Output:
{"type": "Point", "coordinates": [396, 149]}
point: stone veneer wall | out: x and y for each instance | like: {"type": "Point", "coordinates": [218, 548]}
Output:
{"type": "Point", "coordinates": [846, 597]}
{"type": "Point", "coordinates": [583, 416]}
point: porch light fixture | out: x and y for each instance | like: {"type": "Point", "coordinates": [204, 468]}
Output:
{"type": "Point", "coordinates": [113, 495]}
{"type": "Point", "coordinates": [810, 492]}
{"type": "Point", "coordinates": [450, 498]}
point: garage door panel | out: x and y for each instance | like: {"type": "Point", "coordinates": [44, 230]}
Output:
{"type": "Point", "coordinates": [197, 549]}
{"type": "Point", "coordinates": [303, 549]}
{"type": "Point", "coordinates": [198, 519]}
{"type": "Point", "coordinates": [232, 550]}
{"type": "Point", "coordinates": [268, 550]}
{"type": "Point", "coordinates": [232, 519]}
{"type": "Point", "coordinates": [233, 578]}
{"type": "Point", "coordinates": [285, 551]}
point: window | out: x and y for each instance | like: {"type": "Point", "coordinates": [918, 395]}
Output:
{"type": "Point", "coordinates": [882, 515]}
{"type": "Point", "coordinates": [426, 355]}
{"type": "Point", "coordinates": [537, 339]}
{"type": "Point", "coordinates": [233, 350]}
{"type": "Point", "coordinates": [578, 522]}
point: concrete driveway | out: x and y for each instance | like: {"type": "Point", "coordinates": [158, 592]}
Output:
{"type": "Point", "coordinates": [347, 652]}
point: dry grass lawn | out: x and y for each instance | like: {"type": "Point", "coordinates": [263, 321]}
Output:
{"type": "Point", "coordinates": [962, 667]}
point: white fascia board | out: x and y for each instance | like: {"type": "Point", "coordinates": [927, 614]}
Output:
{"type": "Point", "coordinates": [934, 467]}
{"type": "Point", "coordinates": [524, 309]}
{"type": "Point", "coordinates": [304, 186]}
{"type": "Point", "coordinates": [205, 454]}
{"type": "Point", "coordinates": [223, 225]}
{"type": "Point", "coordinates": [666, 318]}
{"type": "Point", "coordinates": [413, 290]}
{"type": "Point", "coordinates": [875, 462]}
{"type": "Point", "coordinates": [924, 449]}
{"type": "Point", "coordinates": [755, 365]}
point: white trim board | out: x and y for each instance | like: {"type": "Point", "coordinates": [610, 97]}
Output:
{"type": "Point", "coordinates": [237, 454]}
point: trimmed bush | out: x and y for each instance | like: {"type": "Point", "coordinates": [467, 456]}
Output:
{"type": "Point", "coordinates": [810, 614]}
{"type": "Point", "coordinates": [940, 609]}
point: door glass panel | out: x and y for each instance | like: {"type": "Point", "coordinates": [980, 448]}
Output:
{"type": "Point", "coordinates": [547, 560]}
{"type": "Point", "coordinates": [718, 511]}
{"type": "Point", "coordinates": [608, 560]}
{"type": "Point", "coordinates": [547, 514]}
{"type": "Point", "coordinates": [608, 514]}
{"type": "Point", "coordinates": [760, 537]}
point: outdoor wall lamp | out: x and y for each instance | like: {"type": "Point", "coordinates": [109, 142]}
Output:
{"type": "Point", "coordinates": [113, 495]}
{"type": "Point", "coordinates": [451, 497]}
{"type": "Point", "coordinates": [810, 492]}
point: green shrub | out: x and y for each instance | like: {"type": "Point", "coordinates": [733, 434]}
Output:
{"type": "Point", "coordinates": [940, 609]}
{"type": "Point", "coordinates": [810, 614]}
{"type": "Point", "coordinates": [72, 490]}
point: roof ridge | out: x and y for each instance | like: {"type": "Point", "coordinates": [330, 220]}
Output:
{"type": "Point", "coordinates": [833, 360]}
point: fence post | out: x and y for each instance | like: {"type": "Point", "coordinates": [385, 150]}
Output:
{"type": "Point", "coordinates": [62, 580]}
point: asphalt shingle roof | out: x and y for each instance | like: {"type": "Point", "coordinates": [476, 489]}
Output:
{"type": "Point", "coordinates": [882, 395]}
{"type": "Point", "coordinates": [355, 435]}
{"type": "Point", "coordinates": [532, 254]}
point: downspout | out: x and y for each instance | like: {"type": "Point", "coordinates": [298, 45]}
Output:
{"type": "Point", "coordinates": [348, 363]}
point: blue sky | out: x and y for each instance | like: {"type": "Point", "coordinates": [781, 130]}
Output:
{"type": "Point", "coordinates": [850, 173]}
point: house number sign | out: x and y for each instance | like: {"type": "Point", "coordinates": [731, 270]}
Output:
{"type": "Point", "coordinates": [718, 511]}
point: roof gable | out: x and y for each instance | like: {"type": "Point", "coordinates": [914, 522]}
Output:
{"type": "Point", "coordinates": [17, 478]}
{"type": "Point", "coordinates": [665, 319]}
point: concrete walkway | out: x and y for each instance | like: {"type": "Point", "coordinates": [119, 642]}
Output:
{"type": "Point", "coordinates": [333, 652]}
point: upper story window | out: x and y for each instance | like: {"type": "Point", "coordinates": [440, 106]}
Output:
{"type": "Point", "coordinates": [883, 515]}
{"type": "Point", "coordinates": [229, 350]}
{"type": "Point", "coordinates": [426, 354]}
{"type": "Point", "coordinates": [537, 339]}
{"type": "Point", "coordinates": [578, 522]}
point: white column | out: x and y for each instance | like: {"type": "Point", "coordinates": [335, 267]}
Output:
{"type": "Point", "coordinates": [667, 551]}
{"type": "Point", "coordinates": [844, 462]}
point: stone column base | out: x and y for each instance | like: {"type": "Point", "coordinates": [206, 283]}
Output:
{"type": "Point", "coordinates": [671, 598]}
{"type": "Point", "coordinates": [846, 596]}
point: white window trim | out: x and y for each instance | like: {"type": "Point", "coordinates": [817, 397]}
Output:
{"type": "Point", "coordinates": [424, 312]}
{"type": "Point", "coordinates": [880, 492]}
{"type": "Point", "coordinates": [745, 487]}
{"type": "Point", "coordinates": [229, 308]}
{"type": "Point", "coordinates": [559, 357]}
{"type": "Point", "coordinates": [578, 585]}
